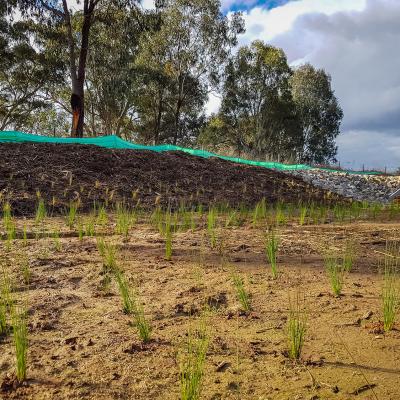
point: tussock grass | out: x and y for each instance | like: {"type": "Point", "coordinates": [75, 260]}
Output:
{"type": "Point", "coordinates": [20, 338]}
{"type": "Point", "coordinates": [259, 213]}
{"type": "Point", "coordinates": [40, 212]}
{"type": "Point", "coordinates": [297, 326]}
{"type": "Point", "coordinates": [303, 214]}
{"type": "Point", "coordinates": [335, 271]}
{"type": "Point", "coordinates": [72, 214]}
{"type": "Point", "coordinates": [125, 292]}
{"type": "Point", "coordinates": [271, 250]}
{"type": "Point", "coordinates": [241, 293]}
{"type": "Point", "coordinates": [168, 235]}
{"type": "Point", "coordinates": [192, 362]}
{"type": "Point", "coordinates": [102, 217]}
{"type": "Point", "coordinates": [124, 220]}
{"type": "Point", "coordinates": [349, 256]}
{"type": "Point", "coordinates": [56, 240]}
{"type": "Point", "coordinates": [211, 226]}
{"type": "Point", "coordinates": [391, 285]}
{"type": "Point", "coordinates": [5, 300]}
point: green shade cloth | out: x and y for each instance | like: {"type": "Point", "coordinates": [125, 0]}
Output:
{"type": "Point", "coordinates": [115, 142]}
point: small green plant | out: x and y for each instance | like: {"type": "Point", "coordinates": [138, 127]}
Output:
{"type": "Point", "coordinates": [56, 240]}
{"type": "Point", "coordinates": [24, 236]}
{"type": "Point", "coordinates": [335, 271]}
{"type": "Point", "coordinates": [260, 212]}
{"type": "Point", "coordinates": [25, 269]}
{"type": "Point", "coordinates": [20, 337]}
{"type": "Point", "coordinates": [271, 249]}
{"type": "Point", "coordinates": [241, 293]}
{"type": "Point", "coordinates": [125, 292]}
{"type": "Point", "coordinates": [102, 217]}
{"type": "Point", "coordinates": [101, 246]}
{"type": "Point", "coordinates": [90, 229]}
{"type": "Point", "coordinates": [349, 256]}
{"type": "Point", "coordinates": [280, 217]}
{"type": "Point", "coordinates": [71, 217]}
{"type": "Point", "coordinates": [303, 215]}
{"type": "Point", "coordinates": [141, 323]}
{"type": "Point", "coordinates": [192, 362]}
{"type": "Point", "coordinates": [81, 231]}
{"type": "Point", "coordinates": [5, 299]}
{"type": "Point", "coordinates": [168, 236]}
{"type": "Point", "coordinates": [40, 212]}
{"type": "Point", "coordinates": [297, 326]}
{"type": "Point", "coordinates": [391, 286]}
{"type": "Point", "coordinates": [124, 220]}
{"type": "Point", "coordinates": [211, 225]}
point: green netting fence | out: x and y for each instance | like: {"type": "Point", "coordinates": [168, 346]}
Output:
{"type": "Point", "coordinates": [115, 142]}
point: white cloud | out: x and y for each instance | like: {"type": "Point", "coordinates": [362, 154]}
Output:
{"type": "Point", "coordinates": [265, 24]}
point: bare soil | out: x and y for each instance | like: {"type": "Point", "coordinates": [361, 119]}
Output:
{"type": "Point", "coordinates": [88, 174]}
{"type": "Point", "coordinates": [82, 346]}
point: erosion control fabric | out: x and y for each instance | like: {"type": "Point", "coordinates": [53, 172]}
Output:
{"type": "Point", "coordinates": [114, 142]}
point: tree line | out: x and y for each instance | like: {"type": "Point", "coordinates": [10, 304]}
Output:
{"type": "Point", "coordinates": [111, 67]}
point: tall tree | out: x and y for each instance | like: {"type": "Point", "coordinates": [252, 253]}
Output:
{"type": "Point", "coordinates": [26, 71]}
{"type": "Point", "coordinates": [56, 12]}
{"type": "Point", "coordinates": [183, 60]}
{"type": "Point", "coordinates": [319, 112]}
{"type": "Point", "coordinates": [257, 114]}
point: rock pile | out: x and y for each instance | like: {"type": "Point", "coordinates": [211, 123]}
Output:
{"type": "Point", "coordinates": [373, 188]}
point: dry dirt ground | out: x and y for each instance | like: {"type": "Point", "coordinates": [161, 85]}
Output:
{"type": "Point", "coordinates": [82, 346]}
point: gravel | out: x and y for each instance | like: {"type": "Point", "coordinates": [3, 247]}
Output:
{"type": "Point", "coordinates": [373, 188]}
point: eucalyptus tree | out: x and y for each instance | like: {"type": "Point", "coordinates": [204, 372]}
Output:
{"type": "Point", "coordinates": [184, 60]}
{"type": "Point", "coordinates": [60, 13]}
{"type": "Point", "coordinates": [257, 114]}
{"type": "Point", "coordinates": [319, 112]}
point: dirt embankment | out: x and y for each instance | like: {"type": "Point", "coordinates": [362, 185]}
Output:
{"type": "Point", "coordinates": [64, 173]}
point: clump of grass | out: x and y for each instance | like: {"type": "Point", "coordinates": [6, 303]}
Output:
{"type": "Point", "coordinates": [124, 220]}
{"type": "Point", "coordinates": [40, 212]}
{"type": "Point", "coordinates": [72, 212]}
{"type": "Point", "coordinates": [26, 270]}
{"type": "Point", "coordinates": [271, 249]}
{"type": "Point", "coordinates": [168, 235]}
{"type": "Point", "coordinates": [5, 300]}
{"type": "Point", "coordinates": [81, 231]}
{"type": "Point", "coordinates": [349, 256]}
{"type": "Point", "coordinates": [20, 337]}
{"type": "Point", "coordinates": [280, 217]}
{"type": "Point", "coordinates": [141, 323]}
{"type": "Point", "coordinates": [297, 326]}
{"type": "Point", "coordinates": [193, 361]}
{"type": "Point", "coordinates": [101, 246]}
{"type": "Point", "coordinates": [391, 287]}
{"type": "Point", "coordinates": [303, 214]}
{"type": "Point", "coordinates": [24, 236]}
{"type": "Point", "coordinates": [102, 217]}
{"type": "Point", "coordinates": [56, 240]}
{"type": "Point", "coordinates": [335, 271]}
{"type": "Point", "coordinates": [211, 225]}
{"type": "Point", "coordinates": [125, 292]}
{"type": "Point", "coordinates": [109, 254]}
{"type": "Point", "coordinates": [260, 212]}
{"type": "Point", "coordinates": [90, 229]}
{"type": "Point", "coordinates": [241, 293]}
{"type": "Point", "coordinates": [9, 224]}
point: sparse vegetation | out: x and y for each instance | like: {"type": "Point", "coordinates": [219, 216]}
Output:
{"type": "Point", "coordinates": [271, 249]}
{"type": "Point", "coordinates": [297, 326]}
{"type": "Point", "coordinates": [335, 271]}
{"type": "Point", "coordinates": [241, 293]}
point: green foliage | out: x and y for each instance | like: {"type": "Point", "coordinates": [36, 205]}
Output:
{"type": "Point", "coordinates": [260, 212]}
{"type": "Point", "coordinates": [211, 226]}
{"type": "Point", "coordinates": [271, 249]}
{"type": "Point", "coordinates": [319, 111]}
{"type": "Point", "coordinates": [40, 211]}
{"type": "Point", "coordinates": [124, 290]}
{"type": "Point", "coordinates": [241, 293]}
{"type": "Point", "coordinates": [20, 336]}
{"type": "Point", "coordinates": [125, 220]}
{"type": "Point", "coordinates": [192, 362]}
{"type": "Point", "coordinates": [349, 256]}
{"type": "Point", "coordinates": [391, 285]}
{"type": "Point", "coordinates": [72, 213]}
{"type": "Point", "coordinates": [335, 271]}
{"type": "Point", "coordinates": [297, 326]}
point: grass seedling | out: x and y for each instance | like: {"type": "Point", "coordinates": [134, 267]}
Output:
{"type": "Point", "coordinates": [125, 292]}
{"type": "Point", "coordinates": [102, 218]}
{"type": "Point", "coordinates": [5, 300]}
{"type": "Point", "coordinates": [349, 256]}
{"type": "Point", "coordinates": [303, 215]}
{"type": "Point", "coordinates": [24, 236]}
{"type": "Point", "coordinates": [90, 229]}
{"type": "Point", "coordinates": [335, 272]}
{"type": "Point", "coordinates": [81, 231]}
{"type": "Point", "coordinates": [124, 220]}
{"type": "Point", "coordinates": [297, 326]}
{"type": "Point", "coordinates": [26, 270]}
{"type": "Point", "coordinates": [141, 323]}
{"type": "Point", "coordinates": [56, 240]}
{"type": "Point", "coordinates": [40, 212]}
{"type": "Point", "coordinates": [101, 246]}
{"type": "Point", "coordinates": [242, 295]}
{"type": "Point", "coordinates": [391, 287]}
{"type": "Point", "coordinates": [259, 213]}
{"type": "Point", "coordinates": [271, 250]}
{"type": "Point", "coordinates": [168, 236]}
{"type": "Point", "coordinates": [71, 217]}
{"type": "Point", "coordinates": [193, 361]}
{"type": "Point", "coordinates": [211, 225]}
{"type": "Point", "coordinates": [20, 337]}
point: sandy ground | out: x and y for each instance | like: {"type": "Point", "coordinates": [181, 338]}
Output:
{"type": "Point", "coordinates": [82, 346]}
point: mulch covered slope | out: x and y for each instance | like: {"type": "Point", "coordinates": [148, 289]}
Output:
{"type": "Point", "coordinates": [64, 173]}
